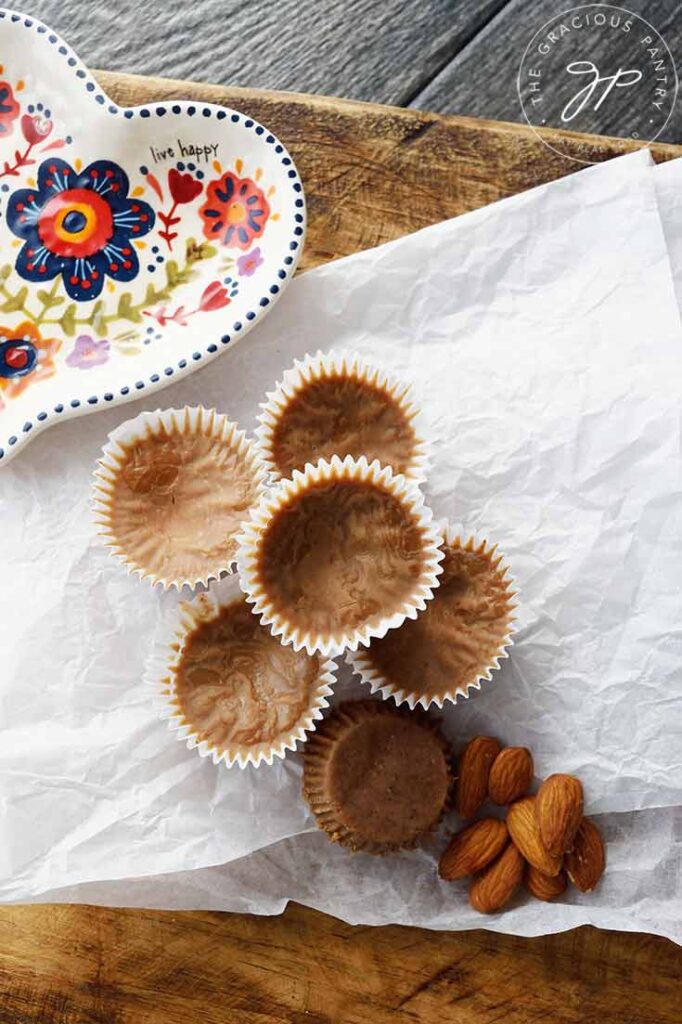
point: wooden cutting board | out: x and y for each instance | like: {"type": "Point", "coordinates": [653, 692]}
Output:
{"type": "Point", "coordinates": [371, 174]}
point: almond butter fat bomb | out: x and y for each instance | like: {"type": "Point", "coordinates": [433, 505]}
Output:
{"type": "Point", "coordinates": [377, 778]}
{"type": "Point", "coordinates": [456, 641]}
{"type": "Point", "coordinates": [336, 404]}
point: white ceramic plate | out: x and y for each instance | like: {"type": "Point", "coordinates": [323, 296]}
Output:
{"type": "Point", "coordinates": [136, 243]}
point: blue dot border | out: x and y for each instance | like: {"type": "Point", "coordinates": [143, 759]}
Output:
{"type": "Point", "coordinates": [161, 377]}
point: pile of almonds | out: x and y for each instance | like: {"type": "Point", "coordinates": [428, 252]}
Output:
{"type": "Point", "coordinates": [544, 839]}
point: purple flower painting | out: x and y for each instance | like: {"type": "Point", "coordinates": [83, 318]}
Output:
{"type": "Point", "coordinates": [87, 352]}
{"type": "Point", "coordinates": [248, 264]}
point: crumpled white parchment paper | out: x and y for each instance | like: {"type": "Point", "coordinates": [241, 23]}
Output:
{"type": "Point", "coordinates": [544, 338]}
{"type": "Point", "coordinates": [641, 891]}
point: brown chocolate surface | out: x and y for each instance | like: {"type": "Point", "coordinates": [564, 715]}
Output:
{"type": "Point", "coordinates": [177, 504]}
{"type": "Point", "coordinates": [339, 556]}
{"type": "Point", "coordinates": [237, 685]}
{"type": "Point", "coordinates": [340, 414]}
{"type": "Point", "coordinates": [458, 634]}
{"type": "Point", "coordinates": [377, 777]}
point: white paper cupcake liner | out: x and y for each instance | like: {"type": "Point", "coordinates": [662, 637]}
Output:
{"type": "Point", "coordinates": [361, 660]}
{"type": "Point", "coordinates": [321, 365]}
{"type": "Point", "coordinates": [282, 494]}
{"type": "Point", "coordinates": [160, 674]}
{"type": "Point", "coordinates": [189, 421]}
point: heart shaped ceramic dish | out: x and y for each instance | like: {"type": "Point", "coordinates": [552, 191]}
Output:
{"type": "Point", "coordinates": [136, 243]}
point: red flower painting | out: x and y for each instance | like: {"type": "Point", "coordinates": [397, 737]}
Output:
{"type": "Point", "coordinates": [35, 128]}
{"type": "Point", "coordinates": [235, 212]}
{"type": "Point", "coordinates": [183, 187]}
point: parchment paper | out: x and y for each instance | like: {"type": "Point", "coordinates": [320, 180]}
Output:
{"type": "Point", "coordinates": [544, 337]}
{"type": "Point", "coordinates": [668, 179]}
{"type": "Point", "coordinates": [641, 891]}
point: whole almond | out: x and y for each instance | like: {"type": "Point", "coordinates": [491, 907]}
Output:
{"type": "Point", "coordinates": [558, 810]}
{"type": "Point", "coordinates": [473, 848]}
{"type": "Point", "coordinates": [544, 887]}
{"type": "Point", "coordinates": [496, 884]}
{"type": "Point", "coordinates": [586, 861]}
{"type": "Point", "coordinates": [511, 775]}
{"type": "Point", "coordinates": [473, 771]}
{"type": "Point", "coordinates": [524, 830]}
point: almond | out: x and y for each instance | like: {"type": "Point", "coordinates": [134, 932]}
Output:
{"type": "Point", "coordinates": [558, 810]}
{"type": "Point", "coordinates": [524, 830]}
{"type": "Point", "coordinates": [496, 884]}
{"type": "Point", "coordinates": [473, 772]}
{"type": "Point", "coordinates": [544, 887]}
{"type": "Point", "coordinates": [511, 775]}
{"type": "Point", "coordinates": [472, 848]}
{"type": "Point", "coordinates": [586, 861]}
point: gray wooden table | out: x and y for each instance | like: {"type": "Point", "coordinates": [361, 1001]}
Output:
{"type": "Point", "coordinates": [449, 56]}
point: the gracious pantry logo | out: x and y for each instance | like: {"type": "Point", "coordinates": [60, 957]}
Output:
{"type": "Point", "coordinates": [598, 69]}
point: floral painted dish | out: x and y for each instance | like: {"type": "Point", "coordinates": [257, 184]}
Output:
{"type": "Point", "coordinates": [136, 243]}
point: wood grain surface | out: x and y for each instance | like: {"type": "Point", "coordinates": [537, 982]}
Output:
{"type": "Point", "coordinates": [370, 174]}
{"type": "Point", "coordinates": [480, 79]}
{"type": "Point", "coordinates": [451, 56]}
{"type": "Point", "coordinates": [380, 50]}
{"type": "Point", "coordinates": [69, 965]}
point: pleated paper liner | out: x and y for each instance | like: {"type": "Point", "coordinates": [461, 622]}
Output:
{"type": "Point", "coordinates": [338, 404]}
{"type": "Point", "coordinates": [170, 492]}
{"type": "Point", "coordinates": [338, 554]}
{"type": "Point", "coordinates": [470, 641]}
{"type": "Point", "coordinates": [252, 688]}
{"type": "Point", "coordinates": [390, 796]}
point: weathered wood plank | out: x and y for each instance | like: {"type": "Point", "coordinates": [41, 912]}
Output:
{"type": "Point", "coordinates": [361, 49]}
{"type": "Point", "coordinates": [480, 80]}
{"type": "Point", "coordinates": [450, 56]}
{"type": "Point", "coordinates": [71, 965]}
